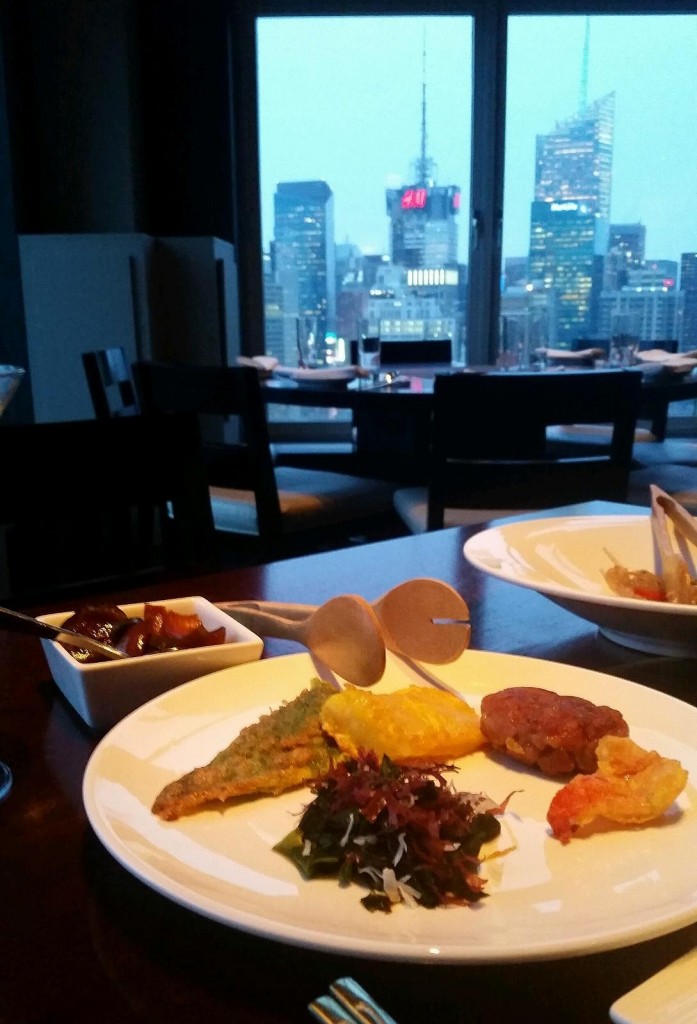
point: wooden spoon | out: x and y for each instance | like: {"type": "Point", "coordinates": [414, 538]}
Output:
{"type": "Point", "coordinates": [405, 614]}
{"type": "Point", "coordinates": [343, 633]}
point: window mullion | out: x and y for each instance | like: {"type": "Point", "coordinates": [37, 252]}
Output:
{"type": "Point", "coordinates": [486, 209]}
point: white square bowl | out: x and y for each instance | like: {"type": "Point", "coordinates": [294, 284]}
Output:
{"type": "Point", "coordinates": [104, 692]}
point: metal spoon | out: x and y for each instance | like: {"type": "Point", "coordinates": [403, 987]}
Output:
{"type": "Point", "coordinates": [19, 623]}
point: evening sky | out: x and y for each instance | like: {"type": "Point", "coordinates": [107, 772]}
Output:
{"type": "Point", "coordinates": [340, 100]}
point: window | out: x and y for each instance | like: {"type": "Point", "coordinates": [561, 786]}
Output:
{"type": "Point", "coordinates": [599, 218]}
{"type": "Point", "coordinates": [557, 149]}
{"type": "Point", "coordinates": [364, 141]}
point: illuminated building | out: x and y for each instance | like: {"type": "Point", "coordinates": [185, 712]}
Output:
{"type": "Point", "coordinates": [304, 248]}
{"type": "Point", "coordinates": [427, 301]}
{"type": "Point", "coordinates": [570, 215]}
{"type": "Point", "coordinates": [688, 290]}
{"type": "Point", "coordinates": [274, 314]}
{"type": "Point", "coordinates": [423, 229]}
{"type": "Point", "coordinates": [644, 312]}
{"type": "Point", "coordinates": [626, 249]}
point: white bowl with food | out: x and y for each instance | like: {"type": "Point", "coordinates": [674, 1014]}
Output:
{"type": "Point", "coordinates": [567, 559]}
{"type": "Point", "coordinates": [190, 639]}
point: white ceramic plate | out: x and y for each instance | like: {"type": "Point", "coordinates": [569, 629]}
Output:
{"type": "Point", "coordinates": [563, 559]}
{"type": "Point", "coordinates": [547, 900]}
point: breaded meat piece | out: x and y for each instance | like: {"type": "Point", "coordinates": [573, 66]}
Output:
{"type": "Point", "coordinates": [285, 748]}
{"type": "Point", "coordinates": [538, 727]}
{"type": "Point", "coordinates": [412, 724]}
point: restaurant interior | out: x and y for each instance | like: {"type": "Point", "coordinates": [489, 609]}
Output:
{"type": "Point", "coordinates": [460, 531]}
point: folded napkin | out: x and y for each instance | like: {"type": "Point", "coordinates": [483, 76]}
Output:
{"type": "Point", "coordinates": [675, 362]}
{"type": "Point", "coordinates": [584, 353]}
{"type": "Point", "coordinates": [265, 364]}
{"type": "Point", "coordinates": [321, 372]}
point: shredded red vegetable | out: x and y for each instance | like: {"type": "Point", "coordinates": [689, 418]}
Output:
{"type": "Point", "coordinates": [401, 831]}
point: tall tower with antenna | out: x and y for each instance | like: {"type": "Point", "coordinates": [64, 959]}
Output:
{"type": "Point", "coordinates": [424, 167]}
{"type": "Point", "coordinates": [423, 226]}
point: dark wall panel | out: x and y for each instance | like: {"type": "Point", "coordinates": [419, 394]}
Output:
{"type": "Point", "coordinates": [186, 118]}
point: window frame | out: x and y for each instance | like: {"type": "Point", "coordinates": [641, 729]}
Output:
{"type": "Point", "coordinates": [490, 18]}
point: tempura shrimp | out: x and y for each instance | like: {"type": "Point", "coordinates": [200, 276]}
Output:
{"type": "Point", "coordinates": [630, 787]}
{"type": "Point", "coordinates": [635, 583]}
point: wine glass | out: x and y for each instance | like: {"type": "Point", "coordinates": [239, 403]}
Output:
{"type": "Point", "coordinates": [10, 379]}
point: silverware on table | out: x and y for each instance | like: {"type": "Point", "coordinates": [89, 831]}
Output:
{"type": "Point", "coordinates": [16, 622]}
{"type": "Point", "coordinates": [348, 1003]}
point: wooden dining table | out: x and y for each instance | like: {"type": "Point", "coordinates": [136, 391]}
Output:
{"type": "Point", "coordinates": [83, 939]}
{"type": "Point", "coordinates": [410, 388]}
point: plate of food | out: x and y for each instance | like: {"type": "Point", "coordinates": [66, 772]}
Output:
{"type": "Point", "coordinates": [608, 570]}
{"type": "Point", "coordinates": [207, 794]}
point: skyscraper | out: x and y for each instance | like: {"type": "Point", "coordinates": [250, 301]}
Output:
{"type": "Point", "coordinates": [626, 249]}
{"type": "Point", "coordinates": [304, 250]}
{"type": "Point", "coordinates": [629, 239]}
{"type": "Point", "coordinates": [688, 288]}
{"type": "Point", "coordinates": [423, 228]}
{"type": "Point", "coordinates": [570, 214]}
{"type": "Point", "coordinates": [426, 301]}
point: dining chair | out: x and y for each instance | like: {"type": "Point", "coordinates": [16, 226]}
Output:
{"type": "Point", "coordinates": [489, 451]}
{"type": "Point", "coordinates": [662, 344]}
{"type": "Point", "coordinates": [404, 353]}
{"type": "Point", "coordinates": [109, 382]}
{"type": "Point", "coordinates": [278, 510]}
{"type": "Point", "coordinates": [86, 503]}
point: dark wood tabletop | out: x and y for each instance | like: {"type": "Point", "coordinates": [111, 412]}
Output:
{"type": "Point", "coordinates": [84, 940]}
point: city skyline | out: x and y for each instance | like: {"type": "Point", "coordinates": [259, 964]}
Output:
{"type": "Point", "coordinates": [307, 135]}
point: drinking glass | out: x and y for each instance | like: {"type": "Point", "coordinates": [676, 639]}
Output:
{"type": "Point", "coordinates": [10, 379]}
{"type": "Point", "coordinates": [309, 354]}
{"type": "Point", "coordinates": [369, 353]}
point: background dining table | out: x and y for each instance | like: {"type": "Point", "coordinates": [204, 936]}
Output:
{"type": "Point", "coordinates": [82, 939]}
{"type": "Point", "coordinates": [391, 411]}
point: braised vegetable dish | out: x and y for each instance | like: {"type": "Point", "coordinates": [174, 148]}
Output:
{"type": "Point", "coordinates": [160, 629]}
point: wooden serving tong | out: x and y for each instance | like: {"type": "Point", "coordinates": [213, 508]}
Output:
{"type": "Point", "coordinates": [422, 619]}
{"type": "Point", "coordinates": [669, 563]}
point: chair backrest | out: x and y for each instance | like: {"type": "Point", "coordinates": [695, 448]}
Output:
{"type": "Point", "coordinates": [489, 447]}
{"type": "Point", "coordinates": [91, 501]}
{"type": "Point", "coordinates": [110, 383]}
{"type": "Point", "coordinates": [665, 344]}
{"type": "Point", "coordinates": [403, 353]}
{"type": "Point", "coordinates": [245, 461]}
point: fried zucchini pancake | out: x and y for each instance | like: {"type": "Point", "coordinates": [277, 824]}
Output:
{"type": "Point", "coordinates": [412, 724]}
{"type": "Point", "coordinates": [285, 748]}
